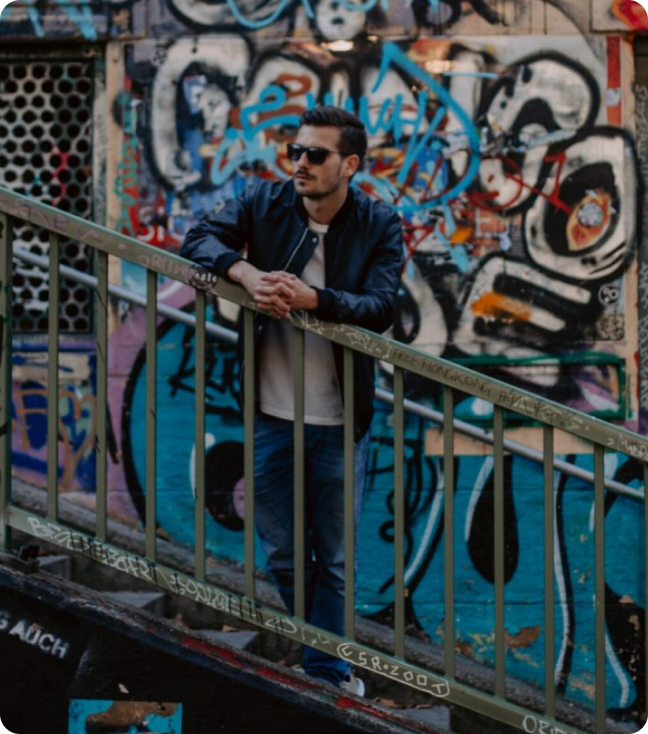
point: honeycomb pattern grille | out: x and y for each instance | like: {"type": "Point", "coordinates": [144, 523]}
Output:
{"type": "Point", "coordinates": [45, 153]}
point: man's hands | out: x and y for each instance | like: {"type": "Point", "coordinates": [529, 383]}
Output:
{"type": "Point", "coordinates": [278, 292]}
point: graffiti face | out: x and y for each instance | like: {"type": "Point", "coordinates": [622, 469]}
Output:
{"type": "Point", "coordinates": [340, 19]}
{"type": "Point", "coordinates": [586, 238]}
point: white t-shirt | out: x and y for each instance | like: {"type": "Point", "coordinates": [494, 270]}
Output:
{"type": "Point", "coordinates": [322, 400]}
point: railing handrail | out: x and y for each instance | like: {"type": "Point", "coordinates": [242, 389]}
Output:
{"type": "Point", "coordinates": [382, 348]}
{"type": "Point", "coordinates": [452, 378]}
{"type": "Point", "coordinates": [230, 336]}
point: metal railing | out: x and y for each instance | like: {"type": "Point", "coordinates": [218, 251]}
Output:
{"type": "Point", "coordinates": [452, 379]}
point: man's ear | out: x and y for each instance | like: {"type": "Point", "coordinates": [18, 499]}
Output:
{"type": "Point", "coordinates": [351, 164]}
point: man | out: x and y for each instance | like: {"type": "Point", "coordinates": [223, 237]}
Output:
{"type": "Point", "coordinates": [313, 244]}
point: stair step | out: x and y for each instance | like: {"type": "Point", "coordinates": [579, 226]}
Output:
{"type": "Point", "coordinates": [240, 639]}
{"type": "Point", "coordinates": [61, 565]}
{"type": "Point", "coordinates": [150, 601]}
{"type": "Point", "coordinates": [437, 716]}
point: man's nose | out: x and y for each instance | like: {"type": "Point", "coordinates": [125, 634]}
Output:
{"type": "Point", "coordinates": [303, 159]}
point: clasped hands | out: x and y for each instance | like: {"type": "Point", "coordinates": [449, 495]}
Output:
{"type": "Point", "coordinates": [279, 293]}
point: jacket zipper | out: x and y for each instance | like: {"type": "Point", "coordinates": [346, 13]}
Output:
{"type": "Point", "coordinates": [296, 250]}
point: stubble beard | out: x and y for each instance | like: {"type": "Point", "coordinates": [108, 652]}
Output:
{"type": "Point", "coordinates": [318, 195]}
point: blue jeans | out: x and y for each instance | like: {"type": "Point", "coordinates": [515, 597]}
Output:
{"type": "Point", "coordinates": [324, 528]}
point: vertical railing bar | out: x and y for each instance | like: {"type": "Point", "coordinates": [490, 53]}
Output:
{"type": "Point", "coordinates": [299, 476]}
{"type": "Point", "coordinates": [448, 523]}
{"type": "Point", "coordinates": [52, 375]}
{"type": "Point", "coordinates": [549, 595]}
{"type": "Point", "coordinates": [199, 437]}
{"type": "Point", "coordinates": [151, 413]}
{"type": "Point", "coordinates": [498, 456]}
{"type": "Point", "coordinates": [349, 496]}
{"type": "Point", "coordinates": [599, 588]}
{"type": "Point", "coordinates": [249, 390]}
{"type": "Point", "coordinates": [6, 252]}
{"type": "Point", "coordinates": [101, 412]}
{"type": "Point", "coordinates": [399, 514]}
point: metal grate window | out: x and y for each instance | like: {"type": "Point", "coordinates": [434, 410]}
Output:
{"type": "Point", "coordinates": [46, 154]}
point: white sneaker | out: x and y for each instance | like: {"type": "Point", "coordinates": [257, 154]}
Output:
{"type": "Point", "coordinates": [354, 685]}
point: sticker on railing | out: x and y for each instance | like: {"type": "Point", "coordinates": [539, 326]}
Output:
{"type": "Point", "coordinates": [141, 716]}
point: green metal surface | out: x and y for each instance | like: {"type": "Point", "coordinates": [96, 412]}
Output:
{"type": "Point", "coordinates": [399, 515]}
{"type": "Point", "coordinates": [52, 376]}
{"type": "Point", "coordinates": [6, 248]}
{"type": "Point", "coordinates": [101, 429]}
{"type": "Point", "coordinates": [549, 593]}
{"type": "Point", "coordinates": [248, 451]}
{"type": "Point", "coordinates": [151, 414]}
{"type": "Point", "coordinates": [349, 496]}
{"type": "Point", "coordinates": [599, 589]}
{"type": "Point", "coordinates": [199, 438]}
{"type": "Point", "coordinates": [448, 529]}
{"type": "Point", "coordinates": [499, 526]}
{"type": "Point", "coordinates": [299, 477]}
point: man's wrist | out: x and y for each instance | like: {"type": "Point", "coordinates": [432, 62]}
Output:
{"type": "Point", "coordinates": [237, 270]}
{"type": "Point", "coordinates": [313, 299]}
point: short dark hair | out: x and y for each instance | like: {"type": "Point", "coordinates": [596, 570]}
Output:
{"type": "Point", "coordinates": [353, 136]}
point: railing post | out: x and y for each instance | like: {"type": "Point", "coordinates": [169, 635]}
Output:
{"type": "Point", "coordinates": [6, 247]}
{"type": "Point", "coordinates": [299, 475]}
{"type": "Point", "coordinates": [151, 413]}
{"type": "Point", "coordinates": [500, 530]}
{"type": "Point", "coordinates": [101, 404]}
{"type": "Point", "coordinates": [350, 518]}
{"type": "Point", "coordinates": [549, 518]}
{"type": "Point", "coordinates": [599, 589]}
{"type": "Point", "coordinates": [52, 377]}
{"type": "Point", "coordinates": [249, 396]}
{"type": "Point", "coordinates": [399, 514]}
{"type": "Point", "coordinates": [200, 353]}
{"type": "Point", "coordinates": [448, 529]}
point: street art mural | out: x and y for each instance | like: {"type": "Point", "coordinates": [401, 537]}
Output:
{"type": "Point", "coordinates": [65, 18]}
{"type": "Point", "coordinates": [88, 716]}
{"type": "Point", "coordinates": [503, 135]}
{"type": "Point", "coordinates": [510, 249]}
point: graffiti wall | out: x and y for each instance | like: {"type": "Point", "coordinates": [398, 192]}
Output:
{"type": "Point", "coordinates": [504, 135]}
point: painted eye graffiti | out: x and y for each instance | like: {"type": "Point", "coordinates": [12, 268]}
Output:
{"type": "Point", "coordinates": [580, 225]}
{"type": "Point", "coordinates": [589, 220]}
{"type": "Point", "coordinates": [580, 216]}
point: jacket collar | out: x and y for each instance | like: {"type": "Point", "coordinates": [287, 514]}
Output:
{"type": "Point", "coordinates": [341, 215]}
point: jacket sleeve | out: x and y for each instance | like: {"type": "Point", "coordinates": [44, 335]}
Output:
{"type": "Point", "coordinates": [374, 306]}
{"type": "Point", "coordinates": [219, 241]}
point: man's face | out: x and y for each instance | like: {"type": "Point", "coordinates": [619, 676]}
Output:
{"type": "Point", "coordinates": [318, 181]}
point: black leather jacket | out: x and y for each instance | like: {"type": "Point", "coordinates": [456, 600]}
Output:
{"type": "Point", "coordinates": [363, 258]}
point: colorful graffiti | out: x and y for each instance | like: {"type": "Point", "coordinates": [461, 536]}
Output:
{"type": "Point", "coordinates": [632, 13]}
{"type": "Point", "coordinates": [511, 249]}
{"type": "Point", "coordinates": [63, 18]}
{"type": "Point", "coordinates": [331, 19]}
{"type": "Point", "coordinates": [86, 716]}
{"type": "Point", "coordinates": [511, 160]}
{"type": "Point", "coordinates": [76, 422]}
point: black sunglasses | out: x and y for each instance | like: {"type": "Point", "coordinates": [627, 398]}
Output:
{"type": "Point", "coordinates": [316, 156]}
